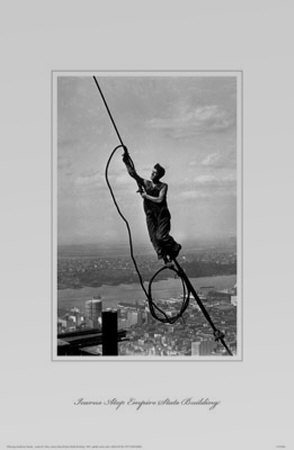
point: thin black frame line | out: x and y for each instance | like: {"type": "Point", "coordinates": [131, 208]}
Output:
{"type": "Point", "coordinates": [102, 359]}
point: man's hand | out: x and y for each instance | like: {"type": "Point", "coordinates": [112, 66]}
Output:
{"type": "Point", "coordinates": [126, 158]}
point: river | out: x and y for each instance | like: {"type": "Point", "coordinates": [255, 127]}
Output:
{"type": "Point", "coordinates": [112, 295]}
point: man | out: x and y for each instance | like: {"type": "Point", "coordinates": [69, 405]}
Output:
{"type": "Point", "coordinates": [154, 193]}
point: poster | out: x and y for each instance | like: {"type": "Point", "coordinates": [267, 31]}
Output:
{"type": "Point", "coordinates": [146, 404]}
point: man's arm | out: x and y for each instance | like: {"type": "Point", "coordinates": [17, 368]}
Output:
{"type": "Point", "coordinates": [160, 198]}
{"type": "Point", "coordinates": [132, 171]}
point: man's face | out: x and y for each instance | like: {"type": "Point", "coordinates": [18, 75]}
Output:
{"type": "Point", "coordinates": [154, 175]}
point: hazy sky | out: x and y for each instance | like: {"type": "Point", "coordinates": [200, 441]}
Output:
{"type": "Point", "coordinates": [187, 124]}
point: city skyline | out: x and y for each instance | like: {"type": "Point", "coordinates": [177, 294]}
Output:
{"type": "Point", "coordinates": [188, 124]}
{"type": "Point", "coordinates": [145, 336]}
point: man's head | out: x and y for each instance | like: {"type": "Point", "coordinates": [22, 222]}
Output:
{"type": "Point", "coordinates": [157, 172]}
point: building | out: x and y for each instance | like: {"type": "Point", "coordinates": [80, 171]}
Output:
{"type": "Point", "coordinates": [79, 319]}
{"type": "Point", "coordinates": [203, 347]}
{"type": "Point", "coordinates": [147, 316]}
{"type": "Point", "coordinates": [234, 300]}
{"type": "Point", "coordinates": [132, 317]}
{"type": "Point", "coordinates": [93, 312]}
{"type": "Point", "coordinates": [195, 348]}
{"type": "Point", "coordinates": [61, 325]}
{"type": "Point", "coordinates": [207, 347]}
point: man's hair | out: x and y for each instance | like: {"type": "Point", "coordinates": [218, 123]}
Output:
{"type": "Point", "coordinates": [160, 170]}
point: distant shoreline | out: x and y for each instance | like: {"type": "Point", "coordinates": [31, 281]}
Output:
{"type": "Point", "coordinates": [145, 282]}
{"type": "Point", "coordinates": [130, 283]}
{"type": "Point", "coordinates": [132, 292]}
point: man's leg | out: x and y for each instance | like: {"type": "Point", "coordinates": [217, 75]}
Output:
{"type": "Point", "coordinates": [164, 240]}
{"type": "Point", "coordinates": [152, 228]}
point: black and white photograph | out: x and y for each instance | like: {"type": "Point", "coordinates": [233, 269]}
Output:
{"type": "Point", "coordinates": [148, 213]}
{"type": "Point", "coordinates": [147, 224]}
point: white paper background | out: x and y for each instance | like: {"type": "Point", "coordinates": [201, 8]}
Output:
{"type": "Point", "coordinates": [37, 394]}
